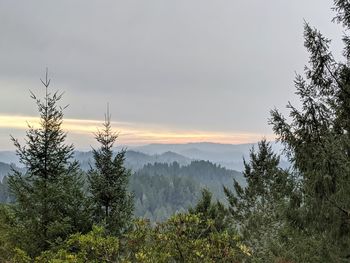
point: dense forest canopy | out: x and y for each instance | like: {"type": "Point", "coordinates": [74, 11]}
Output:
{"type": "Point", "coordinates": [163, 189]}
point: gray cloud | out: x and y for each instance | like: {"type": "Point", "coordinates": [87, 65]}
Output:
{"type": "Point", "coordinates": [203, 64]}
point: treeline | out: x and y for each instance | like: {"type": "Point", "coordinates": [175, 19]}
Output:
{"type": "Point", "coordinates": [160, 195]}
{"type": "Point", "coordinates": [133, 159]}
{"type": "Point", "coordinates": [301, 214]}
{"type": "Point", "coordinates": [161, 190]}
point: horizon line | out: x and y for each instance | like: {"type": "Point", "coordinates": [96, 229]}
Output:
{"type": "Point", "coordinates": [137, 134]}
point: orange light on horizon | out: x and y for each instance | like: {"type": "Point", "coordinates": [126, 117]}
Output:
{"type": "Point", "coordinates": [132, 133]}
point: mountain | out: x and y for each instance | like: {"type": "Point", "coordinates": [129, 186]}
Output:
{"type": "Point", "coordinates": [228, 155]}
{"type": "Point", "coordinates": [170, 157]}
{"type": "Point", "coordinates": [135, 160]}
{"type": "Point", "coordinates": [162, 189]}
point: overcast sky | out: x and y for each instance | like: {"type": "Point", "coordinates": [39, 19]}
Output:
{"type": "Point", "coordinates": [172, 71]}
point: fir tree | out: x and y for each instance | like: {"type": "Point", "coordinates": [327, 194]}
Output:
{"type": "Point", "coordinates": [113, 204]}
{"type": "Point", "coordinates": [49, 200]}
{"type": "Point", "coordinates": [318, 142]}
{"type": "Point", "coordinates": [256, 209]}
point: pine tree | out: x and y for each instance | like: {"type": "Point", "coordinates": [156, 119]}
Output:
{"type": "Point", "coordinates": [318, 142]}
{"type": "Point", "coordinates": [108, 179]}
{"type": "Point", "coordinates": [49, 200]}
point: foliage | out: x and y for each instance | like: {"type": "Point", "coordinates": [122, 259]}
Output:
{"type": "Point", "coordinates": [205, 172]}
{"type": "Point", "coordinates": [108, 182]}
{"type": "Point", "coordinates": [163, 189]}
{"type": "Point", "coordinates": [199, 235]}
{"type": "Point", "coordinates": [6, 232]}
{"type": "Point", "coordinates": [181, 239]}
{"type": "Point", "coordinates": [206, 210]}
{"type": "Point", "coordinates": [317, 140]}
{"type": "Point", "coordinates": [94, 247]}
{"type": "Point", "coordinates": [257, 209]}
{"type": "Point", "coordinates": [157, 197]}
{"type": "Point", "coordinates": [177, 240]}
{"type": "Point", "coordinates": [9, 251]}
{"type": "Point", "coordinates": [49, 198]}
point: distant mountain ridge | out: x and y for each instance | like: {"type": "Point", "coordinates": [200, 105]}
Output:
{"type": "Point", "coordinates": [229, 156]}
{"type": "Point", "coordinates": [205, 146]}
{"type": "Point", "coordinates": [135, 160]}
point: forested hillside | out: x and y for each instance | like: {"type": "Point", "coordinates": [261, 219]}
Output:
{"type": "Point", "coordinates": [163, 189]}
{"type": "Point", "coordinates": [163, 184]}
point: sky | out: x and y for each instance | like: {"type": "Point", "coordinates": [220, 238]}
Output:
{"type": "Point", "coordinates": [172, 71]}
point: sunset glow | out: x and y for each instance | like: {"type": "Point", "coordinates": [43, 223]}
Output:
{"type": "Point", "coordinates": [136, 134]}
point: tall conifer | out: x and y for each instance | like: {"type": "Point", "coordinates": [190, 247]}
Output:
{"type": "Point", "coordinates": [113, 204]}
{"type": "Point", "coordinates": [317, 138]}
{"type": "Point", "coordinates": [257, 207]}
{"type": "Point", "coordinates": [49, 200]}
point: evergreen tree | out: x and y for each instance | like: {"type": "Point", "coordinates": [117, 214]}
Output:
{"type": "Point", "coordinates": [318, 142]}
{"type": "Point", "coordinates": [207, 210]}
{"type": "Point", "coordinates": [113, 204]}
{"type": "Point", "coordinates": [49, 200]}
{"type": "Point", "coordinates": [256, 209]}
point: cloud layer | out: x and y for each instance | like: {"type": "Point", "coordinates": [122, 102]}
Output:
{"type": "Point", "coordinates": [214, 66]}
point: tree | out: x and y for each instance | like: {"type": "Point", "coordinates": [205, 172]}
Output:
{"type": "Point", "coordinates": [113, 204]}
{"type": "Point", "coordinates": [179, 239]}
{"type": "Point", "coordinates": [93, 247]}
{"type": "Point", "coordinates": [49, 200]}
{"type": "Point", "coordinates": [256, 209]}
{"type": "Point", "coordinates": [206, 210]}
{"type": "Point", "coordinates": [317, 139]}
